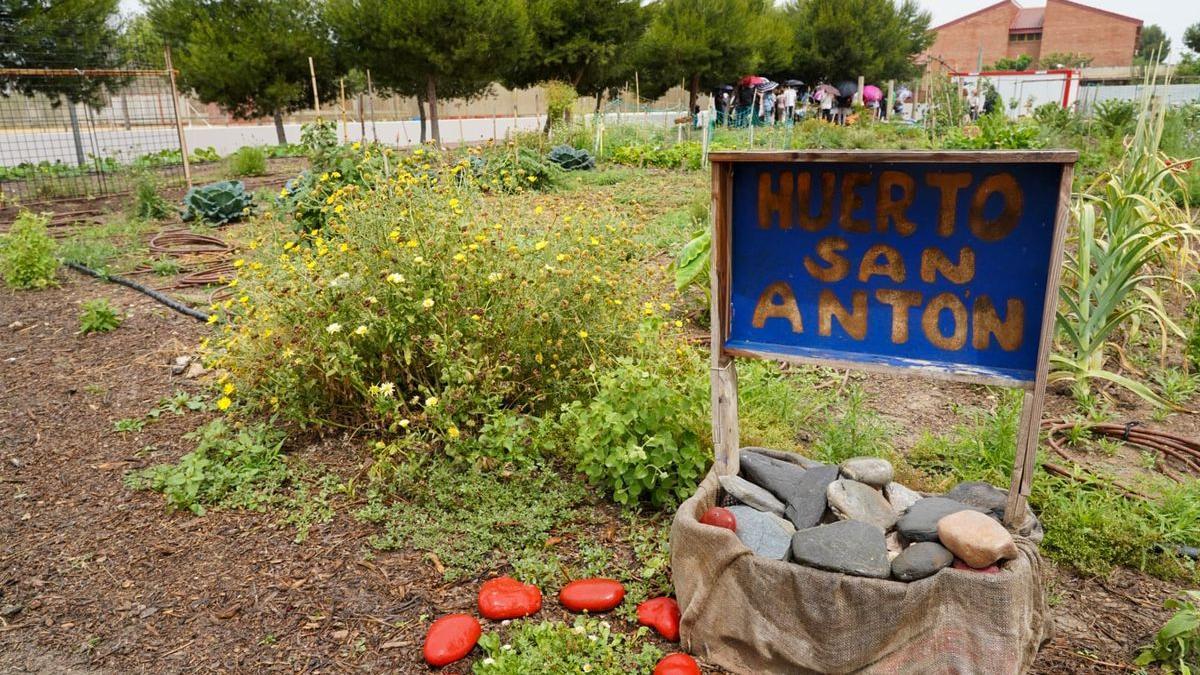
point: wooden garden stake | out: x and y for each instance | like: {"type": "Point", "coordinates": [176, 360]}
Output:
{"type": "Point", "coordinates": [312, 71]}
{"type": "Point", "coordinates": [342, 104]}
{"type": "Point", "coordinates": [183, 145]}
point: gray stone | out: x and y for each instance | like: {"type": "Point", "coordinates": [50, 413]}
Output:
{"type": "Point", "coordinates": [919, 521]}
{"type": "Point", "coordinates": [763, 533]}
{"type": "Point", "coordinates": [849, 546]}
{"type": "Point", "coordinates": [852, 500]}
{"type": "Point", "coordinates": [984, 495]}
{"type": "Point", "coordinates": [921, 560]}
{"type": "Point", "coordinates": [784, 455]}
{"type": "Point", "coordinates": [780, 478]}
{"type": "Point", "coordinates": [807, 502]}
{"type": "Point", "coordinates": [751, 495]}
{"type": "Point", "coordinates": [180, 364]}
{"type": "Point", "coordinates": [900, 496]}
{"type": "Point", "coordinates": [874, 471]}
{"type": "Point", "coordinates": [894, 545]}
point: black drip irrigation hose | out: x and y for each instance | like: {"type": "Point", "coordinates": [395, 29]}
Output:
{"type": "Point", "coordinates": [169, 302]}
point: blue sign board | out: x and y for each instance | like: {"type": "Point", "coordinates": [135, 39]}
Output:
{"type": "Point", "coordinates": [939, 265]}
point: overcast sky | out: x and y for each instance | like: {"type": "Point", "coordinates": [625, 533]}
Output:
{"type": "Point", "coordinates": [1172, 15]}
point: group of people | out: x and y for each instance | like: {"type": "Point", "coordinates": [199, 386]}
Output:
{"type": "Point", "coordinates": [759, 101]}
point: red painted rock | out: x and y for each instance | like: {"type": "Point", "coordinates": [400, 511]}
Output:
{"type": "Point", "coordinates": [661, 614]}
{"type": "Point", "coordinates": [506, 598]}
{"type": "Point", "coordinates": [591, 595]}
{"type": "Point", "coordinates": [990, 569]}
{"type": "Point", "coordinates": [719, 517]}
{"type": "Point", "coordinates": [450, 638]}
{"type": "Point", "coordinates": [677, 664]}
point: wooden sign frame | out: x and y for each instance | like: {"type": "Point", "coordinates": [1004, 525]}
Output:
{"type": "Point", "coordinates": [723, 372]}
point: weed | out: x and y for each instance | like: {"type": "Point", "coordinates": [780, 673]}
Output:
{"type": "Point", "coordinates": [147, 203]}
{"type": "Point", "coordinates": [589, 646]}
{"type": "Point", "coordinates": [179, 403]}
{"type": "Point", "coordinates": [1177, 645]}
{"type": "Point", "coordinates": [128, 424]}
{"type": "Point", "coordinates": [248, 161]}
{"type": "Point", "coordinates": [164, 266]}
{"type": "Point", "coordinates": [230, 467]}
{"type": "Point", "coordinates": [98, 317]}
{"type": "Point", "coordinates": [27, 253]}
{"type": "Point", "coordinates": [306, 508]}
{"type": "Point", "coordinates": [856, 431]}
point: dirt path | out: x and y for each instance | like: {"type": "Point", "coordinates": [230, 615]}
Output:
{"type": "Point", "coordinates": [95, 577]}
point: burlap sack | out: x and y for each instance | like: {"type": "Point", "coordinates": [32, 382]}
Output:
{"type": "Point", "coordinates": [750, 614]}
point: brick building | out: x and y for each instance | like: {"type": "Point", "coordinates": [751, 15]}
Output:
{"type": "Point", "coordinates": [1008, 30]}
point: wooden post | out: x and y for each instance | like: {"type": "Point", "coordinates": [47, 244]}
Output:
{"type": "Point", "coordinates": [312, 71]}
{"type": "Point", "coordinates": [183, 146]}
{"type": "Point", "coordinates": [1031, 408]}
{"type": "Point", "coordinates": [342, 105]}
{"type": "Point", "coordinates": [371, 102]}
{"type": "Point", "coordinates": [858, 95]}
{"type": "Point", "coordinates": [494, 132]}
{"type": "Point", "coordinates": [891, 98]}
{"type": "Point", "coordinates": [722, 371]}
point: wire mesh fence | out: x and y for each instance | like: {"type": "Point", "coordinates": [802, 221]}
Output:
{"type": "Point", "coordinates": [68, 133]}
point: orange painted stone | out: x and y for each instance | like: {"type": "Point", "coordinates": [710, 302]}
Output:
{"type": "Point", "coordinates": [719, 517]}
{"type": "Point", "coordinates": [450, 638]}
{"type": "Point", "coordinates": [506, 598]}
{"type": "Point", "coordinates": [592, 595]}
{"type": "Point", "coordinates": [661, 614]}
{"type": "Point", "coordinates": [677, 664]}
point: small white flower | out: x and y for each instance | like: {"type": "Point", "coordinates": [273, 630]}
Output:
{"type": "Point", "coordinates": [396, 278]}
{"type": "Point", "coordinates": [361, 330]}
{"type": "Point", "coordinates": [333, 328]}
{"type": "Point", "coordinates": [387, 389]}
{"type": "Point", "coordinates": [489, 661]}
{"type": "Point", "coordinates": [507, 648]}
{"type": "Point", "coordinates": [427, 303]}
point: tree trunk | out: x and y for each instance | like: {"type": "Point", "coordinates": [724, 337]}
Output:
{"type": "Point", "coordinates": [693, 94]}
{"type": "Point", "coordinates": [421, 112]}
{"type": "Point", "coordinates": [599, 98]}
{"type": "Point", "coordinates": [279, 132]}
{"type": "Point", "coordinates": [431, 92]}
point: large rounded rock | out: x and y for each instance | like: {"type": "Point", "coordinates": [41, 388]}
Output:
{"type": "Point", "coordinates": [921, 560]}
{"type": "Point", "coordinates": [852, 500]}
{"type": "Point", "coordinates": [847, 546]}
{"type": "Point", "coordinates": [920, 521]}
{"type": "Point", "coordinates": [778, 477]}
{"type": "Point", "coordinates": [977, 538]}
{"type": "Point", "coordinates": [874, 471]}
{"type": "Point", "coordinates": [983, 495]}
{"type": "Point", "coordinates": [751, 495]}
{"type": "Point", "coordinates": [808, 501]}
{"type": "Point", "coordinates": [784, 455]}
{"type": "Point", "coordinates": [763, 533]}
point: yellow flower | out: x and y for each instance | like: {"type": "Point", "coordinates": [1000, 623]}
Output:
{"type": "Point", "coordinates": [239, 262]}
{"type": "Point", "coordinates": [427, 303]}
{"type": "Point", "coordinates": [538, 210]}
{"type": "Point", "coordinates": [412, 243]}
{"type": "Point", "coordinates": [540, 245]}
{"type": "Point", "coordinates": [583, 334]}
{"type": "Point", "coordinates": [223, 403]}
{"type": "Point", "coordinates": [452, 432]}
{"type": "Point", "coordinates": [431, 401]}
{"type": "Point", "coordinates": [458, 257]}
{"type": "Point", "coordinates": [361, 330]}
{"type": "Point", "coordinates": [228, 388]}
{"type": "Point", "coordinates": [212, 318]}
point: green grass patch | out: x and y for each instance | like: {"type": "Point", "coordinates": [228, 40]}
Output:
{"type": "Point", "coordinates": [588, 646]}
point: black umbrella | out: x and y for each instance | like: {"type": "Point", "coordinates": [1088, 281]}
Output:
{"type": "Point", "coordinates": [846, 88]}
{"type": "Point", "coordinates": [794, 83]}
{"type": "Point", "coordinates": [725, 87]}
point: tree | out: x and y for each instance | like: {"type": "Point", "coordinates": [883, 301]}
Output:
{"type": "Point", "coordinates": [432, 48]}
{"type": "Point", "coordinates": [140, 44]}
{"type": "Point", "coordinates": [843, 39]}
{"type": "Point", "coordinates": [1154, 45]}
{"type": "Point", "coordinates": [586, 43]}
{"type": "Point", "coordinates": [58, 34]}
{"type": "Point", "coordinates": [1191, 37]}
{"type": "Point", "coordinates": [706, 42]}
{"type": "Point", "coordinates": [248, 56]}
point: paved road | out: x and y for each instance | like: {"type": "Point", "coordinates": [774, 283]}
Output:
{"type": "Point", "coordinates": [126, 145]}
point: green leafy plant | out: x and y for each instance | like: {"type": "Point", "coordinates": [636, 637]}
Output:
{"type": "Point", "coordinates": [1115, 116]}
{"type": "Point", "coordinates": [27, 253]}
{"type": "Point", "coordinates": [230, 467]}
{"type": "Point", "coordinates": [641, 436]}
{"type": "Point", "coordinates": [1177, 645]}
{"type": "Point", "coordinates": [248, 161]}
{"type": "Point", "coordinates": [571, 159]}
{"type": "Point", "coordinates": [164, 266]}
{"type": "Point", "coordinates": [560, 96]}
{"type": "Point", "coordinates": [692, 264]}
{"type": "Point", "coordinates": [98, 317]}
{"type": "Point", "coordinates": [217, 203]}
{"type": "Point", "coordinates": [147, 203]}
{"type": "Point", "coordinates": [588, 646]}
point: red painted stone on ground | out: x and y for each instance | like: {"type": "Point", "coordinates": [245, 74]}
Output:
{"type": "Point", "coordinates": [661, 614]}
{"type": "Point", "coordinates": [719, 517]}
{"type": "Point", "coordinates": [990, 569]}
{"type": "Point", "coordinates": [450, 638]}
{"type": "Point", "coordinates": [677, 664]}
{"type": "Point", "coordinates": [591, 595]}
{"type": "Point", "coordinates": [506, 598]}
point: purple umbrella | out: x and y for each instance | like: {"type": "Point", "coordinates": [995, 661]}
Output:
{"type": "Point", "coordinates": [872, 93]}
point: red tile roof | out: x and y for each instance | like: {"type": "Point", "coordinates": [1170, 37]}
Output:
{"type": "Point", "coordinates": [1028, 19]}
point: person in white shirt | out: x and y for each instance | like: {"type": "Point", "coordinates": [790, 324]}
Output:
{"type": "Point", "coordinates": [789, 105]}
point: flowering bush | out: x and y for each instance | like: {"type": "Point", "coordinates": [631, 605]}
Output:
{"type": "Point", "coordinates": [415, 309]}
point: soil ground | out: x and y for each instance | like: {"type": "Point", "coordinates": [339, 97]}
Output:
{"type": "Point", "coordinates": [98, 578]}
